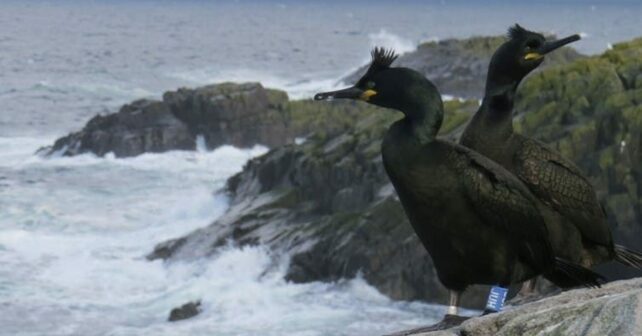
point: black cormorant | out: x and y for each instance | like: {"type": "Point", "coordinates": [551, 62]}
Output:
{"type": "Point", "coordinates": [479, 223]}
{"type": "Point", "coordinates": [582, 235]}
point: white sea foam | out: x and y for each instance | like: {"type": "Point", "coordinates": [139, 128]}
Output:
{"type": "Point", "coordinates": [383, 38]}
{"type": "Point", "coordinates": [74, 232]}
{"type": "Point", "coordinates": [430, 39]}
{"type": "Point", "coordinates": [296, 88]}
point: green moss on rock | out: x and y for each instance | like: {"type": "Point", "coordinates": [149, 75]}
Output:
{"type": "Point", "coordinates": [591, 111]}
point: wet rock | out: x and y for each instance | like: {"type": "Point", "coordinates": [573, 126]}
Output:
{"type": "Point", "coordinates": [185, 311]}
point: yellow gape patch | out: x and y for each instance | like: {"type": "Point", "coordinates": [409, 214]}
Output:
{"type": "Point", "coordinates": [365, 96]}
{"type": "Point", "coordinates": [533, 56]}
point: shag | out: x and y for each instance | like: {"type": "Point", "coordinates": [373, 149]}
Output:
{"type": "Point", "coordinates": [479, 223]}
{"type": "Point", "coordinates": [582, 235]}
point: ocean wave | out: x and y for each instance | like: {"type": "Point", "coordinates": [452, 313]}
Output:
{"type": "Point", "coordinates": [296, 88]}
{"type": "Point", "coordinates": [383, 38]}
{"type": "Point", "coordinates": [75, 230]}
{"type": "Point", "coordinates": [19, 154]}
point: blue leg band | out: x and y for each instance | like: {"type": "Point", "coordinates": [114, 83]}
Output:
{"type": "Point", "coordinates": [496, 298]}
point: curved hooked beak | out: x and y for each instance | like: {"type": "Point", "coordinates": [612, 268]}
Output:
{"type": "Point", "coordinates": [348, 93]}
{"type": "Point", "coordinates": [550, 46]}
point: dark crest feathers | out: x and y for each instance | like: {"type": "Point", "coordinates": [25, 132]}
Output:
{"type": "Point", "coordinates": [516, 32]}
{"type": "Point", "coordinates": [381, 59]}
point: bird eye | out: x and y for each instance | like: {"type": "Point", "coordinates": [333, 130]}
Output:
{"type": "Point", "coordinates": [533, 44]}
{"type": "Point", "coordinates": [370, 85]}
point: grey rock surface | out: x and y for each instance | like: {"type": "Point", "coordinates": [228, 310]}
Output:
{"type": "Point", "coordinates": [613, 310]}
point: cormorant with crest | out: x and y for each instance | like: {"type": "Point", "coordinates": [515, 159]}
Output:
{"type": "Point", "coordinates": [479, 223]}
{"type": "Point", "coordinates": [582, 234]}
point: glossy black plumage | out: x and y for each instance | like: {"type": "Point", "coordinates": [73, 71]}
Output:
{"type": "Point", "coordinates": [578, 225]}
{"type": "Point", "coordinates": [480, 224]}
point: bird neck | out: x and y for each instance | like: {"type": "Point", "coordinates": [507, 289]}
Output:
{"type": "Point", "coordinates": [425, 120]}
{"type": "Point", "coordinates": [502, 87]}
{"type": "Point", "coordinates": [496, 110]}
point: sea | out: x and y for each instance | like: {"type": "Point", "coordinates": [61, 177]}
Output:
{"type": "Point", "coordinates": [74, 231]}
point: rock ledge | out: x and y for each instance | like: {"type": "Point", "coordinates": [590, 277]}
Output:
{"type": "Point", "coordinates": [615, 309]}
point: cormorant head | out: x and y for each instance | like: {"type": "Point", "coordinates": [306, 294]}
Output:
{"type": "Point", "coordinates": [522, 53]}
{"type": "Point", "coordinates": [397, 88]}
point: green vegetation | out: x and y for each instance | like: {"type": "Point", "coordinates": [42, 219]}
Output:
{"type": "Point", "coordinates": [591, 111]}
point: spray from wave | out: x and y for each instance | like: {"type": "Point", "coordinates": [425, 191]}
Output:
{"type": "Point", "coordinates": [383, 38]}
{"type": "Point", "coordinates": [75, 230]}
{"type": "Point", "coordinates": [300, 88]}
{"type": "Point", "coordinates": [297, 88]}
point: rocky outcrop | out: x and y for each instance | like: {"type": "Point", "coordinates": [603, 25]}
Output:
{"type": "Point", "coordinates": [614, 310]}
{"type": "Point", "coordinates": [242, 115]}
{"type": "Point", "coordinates": [140, 127]}
{"type": "Point", "coordinates": [328, 204]}
{"type": "Point", "coordinates": [237, 114]}
{"type": "Point", "coordinates": [185, 311]}
{"type": "Point", "coordinates": [458, 67]}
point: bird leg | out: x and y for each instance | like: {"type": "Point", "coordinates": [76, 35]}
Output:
{"type": "Point", "coordinates": [453, 302]}
{"type": "Point", "coordinates": [527, 293]}
{"type": "Point", "coordinates": [451, 319]}
{"type": "Point", "coordinates": [528, 287]}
